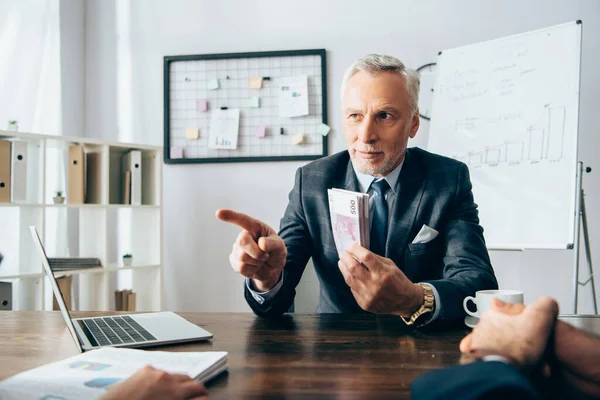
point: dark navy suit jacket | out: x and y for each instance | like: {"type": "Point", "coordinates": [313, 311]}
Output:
{"type": "Point", "coordinates": [431, 190]}
{"type": "Point", "coordinates": [487, 380]}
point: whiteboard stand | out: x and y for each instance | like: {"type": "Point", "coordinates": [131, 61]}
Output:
{"type": "Point", "coordinates": [582, 219]}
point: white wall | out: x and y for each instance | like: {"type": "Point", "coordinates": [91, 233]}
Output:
{"type": "Point", "coordinates": [30, 84]}
{"type": "Point", "coordinates": [125, 43]}
{"type": "Point", "coordinates": [42, 65]}
{"type": "Point", "coordinates": [72, 66]}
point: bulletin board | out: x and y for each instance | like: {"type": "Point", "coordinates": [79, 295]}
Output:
{"type": "Point", "coordinates": [242, 107]}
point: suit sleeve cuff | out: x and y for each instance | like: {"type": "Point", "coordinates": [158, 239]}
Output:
{"type": "Point", "coordinates": [262, 297]}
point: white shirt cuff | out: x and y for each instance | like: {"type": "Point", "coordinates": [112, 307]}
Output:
{"type": "Point", "coordinates": [261, 297]}
{"type": "Point", "coordinates": [496, 358]}
{"type": "Point", "coordinates": [438, 304]}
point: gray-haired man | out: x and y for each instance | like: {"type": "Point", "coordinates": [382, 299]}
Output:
{"type": "Point", "coordinates": [421, 281]}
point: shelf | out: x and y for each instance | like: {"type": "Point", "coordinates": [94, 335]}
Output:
{"type": "Point", "coordinates": [149, 206]}
{"type": "Point", "coordinates": [40, 205]}
{"type": "Point", "coordinates": [79, 271]}
{"type": "Point", "coordinates": [22, 276]}
{"type": "Point", "coordinates": [101, 228]}
{"type": "Point", "coordinates": [22, 205]}
{"type": "Point", "coordinates": [114, 267]}
{"type": "Point", "coordinates": [111, 268]}
{"type": "Point", "coordinates": [75, 206]}
{"type": "Point", "coordinates": [72, 139]}
{"type": "Point", "coordinates": [101, 206]}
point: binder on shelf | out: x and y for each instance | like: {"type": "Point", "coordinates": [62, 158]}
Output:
{"type": "Point", "coordinates": [4, 171]}
{"type": "Point", "coordinates": [73, 263]}
{"type": "Point", "coordinates": [65, 283]}
{"type": "Point", "coordinates": [93, 183]}
{"type": "Point", "coordinates": [5, 296]}
{"type": "Point", "coordinates": [76, 176]}
{"type": "Point", "coordinates": [18, 171]}
{"type": "Point", "coordinates": [118, 300]}
{"type": "Point", "coordinates": [126, 187]}
{"type": "Point", "coordinates": [132, 161]}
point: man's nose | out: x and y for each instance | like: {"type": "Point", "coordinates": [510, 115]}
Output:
{"type": "Point", "coordinates": [368, 131]}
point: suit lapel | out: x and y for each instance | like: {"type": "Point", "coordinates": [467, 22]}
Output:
{"type": "Point", "coordinates": [409, 189]}
{"type": "Point", "coordinates": [347, 181]}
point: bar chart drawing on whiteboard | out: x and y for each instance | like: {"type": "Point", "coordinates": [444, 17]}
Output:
{"type": "Point", "coordinates": [543, 140]}
{"type": "Point", "coordinates": [518, 136]}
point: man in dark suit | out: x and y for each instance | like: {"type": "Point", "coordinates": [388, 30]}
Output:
{"type": "Point", "coordinates": [427, 247]}
{"type": "Point", "coordinates": [519, 352]}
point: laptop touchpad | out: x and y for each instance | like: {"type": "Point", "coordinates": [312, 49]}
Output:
{"type": "Point", "coordinates": [169, 326]}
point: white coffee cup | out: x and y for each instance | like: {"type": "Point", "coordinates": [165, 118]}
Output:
{"type": "Point", "coordinates": [483, 300]}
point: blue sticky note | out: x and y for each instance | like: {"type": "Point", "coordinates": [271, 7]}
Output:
{"type": "Point", "coordinates": [323, 129]}
{"type": "Point", "coordinates": [102, 382]}
{"type": "Point", "coordinates": [254, 102]}
{"type": "Point", "coordinates": [212, 84]}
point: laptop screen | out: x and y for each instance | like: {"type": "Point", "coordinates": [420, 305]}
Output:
{"type": "Point", "coordinates": [57, 293]}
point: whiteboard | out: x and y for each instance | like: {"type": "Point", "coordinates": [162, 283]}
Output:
{"type": "Point", "coordinates": [508, 108]}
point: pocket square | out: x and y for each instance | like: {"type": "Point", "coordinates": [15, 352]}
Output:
{"type": "Point", "coordinates": [425, 235]}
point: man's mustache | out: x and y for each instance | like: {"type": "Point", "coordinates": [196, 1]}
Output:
{"type": "Point", "coordinates": [368, 149]}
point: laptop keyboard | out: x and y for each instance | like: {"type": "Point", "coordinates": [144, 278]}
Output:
{"type": "Point", "coordinates": [116, 330]}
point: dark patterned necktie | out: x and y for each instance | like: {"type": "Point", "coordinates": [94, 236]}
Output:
{"type": "Point", "coordinates": [380, 217]}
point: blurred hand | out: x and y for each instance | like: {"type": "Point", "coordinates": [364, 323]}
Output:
{"type": "Point", "coordinates": [149, 384]}
{"type": "Point", "coordinates": [381, 287]}
{"type": "Point", "coordinates": [258, 253]}
{"type": "Point", "coordinates": [513, 331]}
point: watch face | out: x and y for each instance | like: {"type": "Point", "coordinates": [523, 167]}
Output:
{"type": "Point", "coordinates": [428, 74]}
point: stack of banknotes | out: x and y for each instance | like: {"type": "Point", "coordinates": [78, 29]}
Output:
{"type": "Point", "coordinates": [349, 213]}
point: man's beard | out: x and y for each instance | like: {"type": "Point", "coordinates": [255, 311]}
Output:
{"type": "Point", "coordinates": [366, 167]}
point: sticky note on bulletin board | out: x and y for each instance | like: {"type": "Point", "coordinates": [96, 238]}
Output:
{"type": "Point", "coordinates": [196, 86]}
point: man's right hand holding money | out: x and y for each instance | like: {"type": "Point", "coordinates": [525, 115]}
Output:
{"type": "Point", "coordinates": [258, 253]}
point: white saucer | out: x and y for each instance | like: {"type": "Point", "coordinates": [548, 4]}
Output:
{"type": "Point", "coordinates": [471, 321]}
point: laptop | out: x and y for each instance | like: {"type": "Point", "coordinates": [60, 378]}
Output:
{"type": "Point", "coordinates": [136, 330]}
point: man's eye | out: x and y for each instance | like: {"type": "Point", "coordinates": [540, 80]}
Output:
{"type": "Point", "coordinates": [384, 115]}
{"type": "Point", "coordinates": [353, 116]}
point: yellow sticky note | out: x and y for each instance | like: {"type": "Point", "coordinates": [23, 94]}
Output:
{"type": "Point", "coordinates": [192, 133]}
{"type": "Point", "coordinates": [297, 139]}
{"type": "Point", "coordinates": [256, 83]}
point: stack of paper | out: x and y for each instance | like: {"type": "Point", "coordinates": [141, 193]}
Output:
{"type": "Point", "coordinates": [88, 375]}
{"type": "Point", "coordinates": [70, 263]}
{"type": "Point", "coordinates": [349, 213]}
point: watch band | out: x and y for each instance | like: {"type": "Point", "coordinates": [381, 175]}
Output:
{"type": "Point", "coordinates": [427, 306]}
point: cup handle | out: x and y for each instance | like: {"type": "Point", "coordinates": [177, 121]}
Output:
{"type": "Point", "coordinates": [471, 313]}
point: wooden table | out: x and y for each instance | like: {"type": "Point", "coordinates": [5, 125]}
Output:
{"type": "Point", "coordinates": [296, 356]}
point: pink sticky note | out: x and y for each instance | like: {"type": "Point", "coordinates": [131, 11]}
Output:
{"type": "Point", "coordinates": [201, 105]}
{"type": "Point", "coordinates": [176, 152]}
{"type": "Point", "coordinates": [259, 131]}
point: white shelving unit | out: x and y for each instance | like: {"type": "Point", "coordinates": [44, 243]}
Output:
{"type": "Point", "coordinates": [102, 227]}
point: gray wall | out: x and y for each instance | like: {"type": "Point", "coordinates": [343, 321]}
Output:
{"type": "Point", "coordinates": [126, 40]}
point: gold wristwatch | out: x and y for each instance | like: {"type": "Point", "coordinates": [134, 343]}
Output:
{"type": "Point", "coordinates": [427, 306]}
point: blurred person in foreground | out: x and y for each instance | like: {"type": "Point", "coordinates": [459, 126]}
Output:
{"type": "Point", "coordinates": [519, 352]}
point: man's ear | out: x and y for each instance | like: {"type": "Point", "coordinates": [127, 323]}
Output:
{"type": "Point", "coordinates": [415, 123]}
